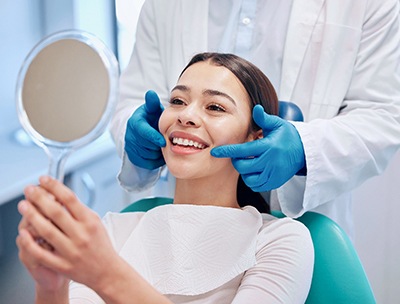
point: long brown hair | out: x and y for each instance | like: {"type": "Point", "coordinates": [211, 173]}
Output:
{"type": "Point", "coordinates": [260, 91]}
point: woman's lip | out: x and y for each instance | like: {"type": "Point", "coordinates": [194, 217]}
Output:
{"type": "Point", "coordinates": [188, 136]}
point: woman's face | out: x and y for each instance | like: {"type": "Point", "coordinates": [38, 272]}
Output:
{"type": "Point", "coordinates": [208, 107]}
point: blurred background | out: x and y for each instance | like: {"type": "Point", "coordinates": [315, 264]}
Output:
{"type": "Point", "coordinates": [91, 171]}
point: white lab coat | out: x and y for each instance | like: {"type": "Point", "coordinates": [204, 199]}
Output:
{"type": "Point", "coordinates": [340, 65]}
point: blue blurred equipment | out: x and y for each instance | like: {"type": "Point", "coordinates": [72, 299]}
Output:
{"type": "Point", "coordinates": [338, 275]}
{"type": "Point", "coordinates": [143, 141]}
{"type": "Point", "coordinates": [267, 163]}
{"type": "Point", "coordinates": [290, 111]}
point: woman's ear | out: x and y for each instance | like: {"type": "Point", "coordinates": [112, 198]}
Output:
{"type": "Point", "coordinates": [258, 134]}
{"type": "Point", "coordinates": [255, 135]}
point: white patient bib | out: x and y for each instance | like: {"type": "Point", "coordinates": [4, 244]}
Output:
{"type": "Point", "coordinates": [190, 250]}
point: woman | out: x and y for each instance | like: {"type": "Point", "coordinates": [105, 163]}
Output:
{"type": "Point", "coordinates": [208, 247]}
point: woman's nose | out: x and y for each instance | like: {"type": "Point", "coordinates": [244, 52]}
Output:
{"type": "Point", "coordinates": [189, 117]}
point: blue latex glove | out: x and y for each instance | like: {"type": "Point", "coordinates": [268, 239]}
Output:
{"type": "Point", "coordinates": [269, 162]}
{"type": "Point", "coordinates": [143, 141]}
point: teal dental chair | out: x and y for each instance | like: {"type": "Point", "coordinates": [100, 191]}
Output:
{"type": "Point", "coordinates": [338, 277]}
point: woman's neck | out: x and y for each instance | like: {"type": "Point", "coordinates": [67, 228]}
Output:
{"type": "Point", "coordinates": [216, 191]}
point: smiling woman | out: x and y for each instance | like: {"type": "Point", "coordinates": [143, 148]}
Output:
{"type": "Point", "coordinates": [207, 247]}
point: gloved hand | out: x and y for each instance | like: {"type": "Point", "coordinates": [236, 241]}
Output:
{"type": "Point", "coordinates": [269, 162]}
{"type": "Point", "coordinates": [143, 141]}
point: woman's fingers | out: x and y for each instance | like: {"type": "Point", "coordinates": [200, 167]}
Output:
{"type": "Point", "coordinates": [54, 224]}
{"type": "Point", "coordinates": [37, 259]}
{"type": "Point", "coordinates": [66, 197]}
{"type": "Point", "coordinates": [46, 233]}
{"type": "Point", "coordinates": [47, 204]}
{"type": "Point", "coordinates": [77, 234]}
{"type": "Point", "coordinates": [23, 245]}
{"type": "Point", "coordinates": [24, 224]}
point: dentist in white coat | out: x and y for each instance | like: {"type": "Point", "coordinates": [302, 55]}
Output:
{"type": "Point", "coordinates": [338, 60]}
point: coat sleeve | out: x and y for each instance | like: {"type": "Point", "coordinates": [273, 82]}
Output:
{"type": "Point", "coordinates": [162, 48]}
{"type": "Point", "coordinates": [144, 72]}
{"type": "Point", "coordinates": [358, 143]}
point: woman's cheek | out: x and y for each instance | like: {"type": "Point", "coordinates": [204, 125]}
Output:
{"type": "Point", "coordinates": [162, 123]}
{"type": "Point", "coordinates": [234, 134]}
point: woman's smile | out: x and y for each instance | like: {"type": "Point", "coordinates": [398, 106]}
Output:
{"type": "Point", "coordinates": [186, 143]}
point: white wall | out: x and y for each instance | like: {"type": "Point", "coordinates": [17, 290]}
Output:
{"type": "Point", "coordinates": [376, 216]}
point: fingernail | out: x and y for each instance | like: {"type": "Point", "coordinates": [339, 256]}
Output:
{"type": "Point", "coordinates": [22, 206]}
{"type": "Point", "coordinates": [29, 190]}
{"type": "Point", "coordinates": [23, 233]}
{"type": "Point", "coordinates": [44, 179]}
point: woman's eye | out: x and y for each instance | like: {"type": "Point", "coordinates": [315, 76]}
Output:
{"type": "Point", "coordinates": [176, 101]}
{"type": "Point", "coordinates": [216, 107]}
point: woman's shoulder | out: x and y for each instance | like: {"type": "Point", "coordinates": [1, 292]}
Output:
{"type": "Point", "coordinates": [272, 222]}
{"type": "Point", "coordinates": [284, 257]}
{"type": "Point", "coordinates": [283, 230]}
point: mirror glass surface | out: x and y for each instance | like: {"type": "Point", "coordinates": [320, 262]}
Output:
{"type": "Point", "coordinates": [66, 93]}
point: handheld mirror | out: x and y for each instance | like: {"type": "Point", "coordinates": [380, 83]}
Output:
{"type": "Point", "coordinates": [66, 94]}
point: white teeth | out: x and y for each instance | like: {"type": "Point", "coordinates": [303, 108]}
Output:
{"type": "Point", "coordinates": [187, 143]}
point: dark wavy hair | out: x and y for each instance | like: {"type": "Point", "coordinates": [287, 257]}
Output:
{"type": "Point", "coordinates": [260, 91]}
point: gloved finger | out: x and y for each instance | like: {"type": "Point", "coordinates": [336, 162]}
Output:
{"type": "Point", "coordinates": [265, 187]}
{"type": "Point", "coordinates": [149, 164]}
{"type": "Point", "coordinates": [150, 138]}
{"type": "Point", "coordinates": [144, 153]}
{"type": "Point", "coordinates": [265, 121]}
{"type": "Point", "coordinates": [259, 182]}
{"type": "Point", "coordinates": [247, 165]}
{"type": "Point", "coordinates": [147, 148]}
{"type": "Point", "coordinates": [271, 178]}
{"type": "Point", "coordinates": [145, 133]}
{"type": "Point", "coordinates": [145, 158]}
{"type": "Point", "coordinates": [253, 181]}
{"type": "Point", "coordinates": [155, 164]}
{"type": "Point", "coordinates": [152, 103]}
{"type": "Point", "coordinates": [245, 150]}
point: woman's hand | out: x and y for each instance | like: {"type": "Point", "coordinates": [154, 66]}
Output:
{"type": "Point", "coordinates": [46, 279]}
{"type": "Point", "coordinates": [51, 287]}
{"type": "Point", "coordinates": [80, 246]}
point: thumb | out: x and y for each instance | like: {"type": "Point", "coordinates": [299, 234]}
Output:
{"type": "Point", "coordinates": [265, 121]}
{"type": "Point", "coordinates": [152, 103]}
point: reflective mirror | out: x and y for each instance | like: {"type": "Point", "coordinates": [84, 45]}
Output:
{"type": "Point", "coordinates": [66, 93]}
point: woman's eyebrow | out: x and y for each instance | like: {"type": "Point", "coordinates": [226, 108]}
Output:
{"type": "Point", "coordinates": [181, 88]}
{"type": "Point", "coordinates": [208, 92]}
{"type": "Point", "coordinates": [218, 93]}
